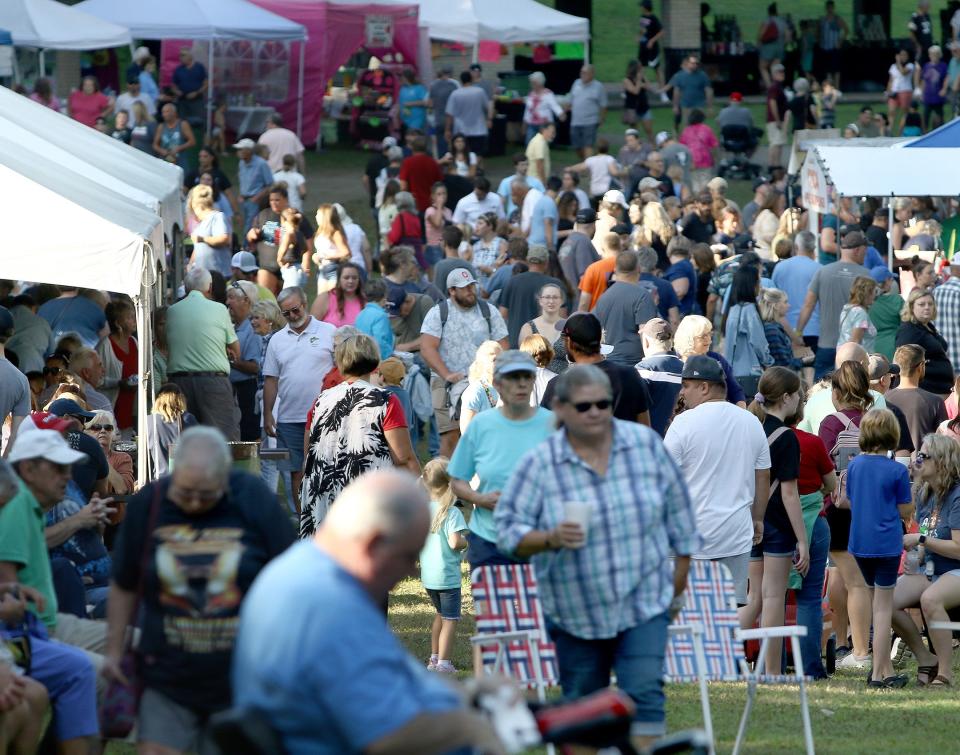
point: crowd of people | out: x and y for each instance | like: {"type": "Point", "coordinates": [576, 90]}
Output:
{"type": "Point", "coordinates": [603, 382]}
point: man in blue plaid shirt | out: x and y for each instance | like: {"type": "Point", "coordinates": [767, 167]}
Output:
{"type": "Point", "coordinates": [607, 582]}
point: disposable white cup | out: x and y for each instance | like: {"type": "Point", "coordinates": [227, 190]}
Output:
{"type": "Point", "coordinates": [579, 513]}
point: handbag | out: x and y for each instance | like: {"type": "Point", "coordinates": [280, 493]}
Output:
{"type": "Point", "coordinates": [118, 707]}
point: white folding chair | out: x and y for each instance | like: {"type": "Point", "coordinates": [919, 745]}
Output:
{"type": "Point", "coordinates": [706, 644]}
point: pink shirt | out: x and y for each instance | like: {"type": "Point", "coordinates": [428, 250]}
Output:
{"type": "Point", "coordinates": [86, 108]}
{"type": "Point", "coordinates": [435, 235]}
{"type": "Point", "coordinates": [700, 139]}
{"type": "Point", "coordinates": [54, 103]}
{"type": "Point", "coordinates": [351, 308]}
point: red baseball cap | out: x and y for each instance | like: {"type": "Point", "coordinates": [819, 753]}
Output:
{"type": "Point", "coordinates": [736, 97]}
{"type": "Point", "coordinates": [46, 421]}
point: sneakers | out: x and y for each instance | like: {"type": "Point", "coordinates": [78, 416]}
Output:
{"type": "Point", "coordinates": [664, 97]}
{"type": "Point", "coordinates": [900, 652]}
{"type": "Point", "coordinates": [432, 663]}
{"type": "Point", "coordinates": [854, 661]}
{"type": "Point", "coordinates": [445, 668]}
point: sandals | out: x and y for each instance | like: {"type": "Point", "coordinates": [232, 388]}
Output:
{"type": "Point", "coordinates": [930, 672]}
{"type": "Point", "coordinates": [940, 681]}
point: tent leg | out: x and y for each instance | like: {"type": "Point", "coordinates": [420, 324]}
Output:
{"type": "Point", "coordinates": [303, 46]}
{"type": "Point", "coordinates": [43, 63]}
{"type": "Point", "coordinates": [476, 52]}
{"type": "Point", "coordinates": [145, 370]}
{"type": "Point", "coordinates": [209, 89]}
{"type": "Point", "coordinates": [890, 234]}
{"type": "Point", "coordinates": [586, 51]}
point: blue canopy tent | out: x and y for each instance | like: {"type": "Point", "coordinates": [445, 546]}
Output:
{"type": "Point", "coordinates": [947, 135]}
{"type": "Point", "coordinates": [7, 61]}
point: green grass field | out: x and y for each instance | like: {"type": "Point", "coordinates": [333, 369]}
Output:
{"type": "Point", "coordinates": [614, 24]}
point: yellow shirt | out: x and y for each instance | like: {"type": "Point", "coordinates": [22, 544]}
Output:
{"type": "Point", "coordinates": [539, 149]}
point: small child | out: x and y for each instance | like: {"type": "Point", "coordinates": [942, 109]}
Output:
{"type": "Point", "coordinates": [391, 374]}
{"type": "Point", "coordinates": [878, 494]}
{"type": "Point", "coordinates": [218, 134]}
{"type": "Point", "coordinates": [291, 263]}
{"type": "Point", "coordinates": [829, 98]}
{"type": "Point", "coordinates": [440, 563]}
{"type": "Point", "coordinates": [296, 183]}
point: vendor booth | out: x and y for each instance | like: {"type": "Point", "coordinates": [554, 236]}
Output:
{"type": "Point", "coordinates": [102, 240]}
{"type": "Point", "coordinates": [337, 30]}
{"type": "Point", "coordinates": [244, 47]}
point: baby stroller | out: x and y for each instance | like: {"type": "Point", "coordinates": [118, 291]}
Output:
{"type": "Point", "coordinates": [741, 142]}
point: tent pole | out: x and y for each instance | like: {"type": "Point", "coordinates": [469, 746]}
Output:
{"type": "Point", "coordinates": [890, 234]}
{"type": "Point", "coordinates": [43, 63]}
{"type": "Point", "coordinates": [476, 52]}
{"type": "Point", "coordinates": [142, 303]}
{"type": "Point", "coordinates": [303, 46]}
{"type": "Point", "coordinates": [586, 51]}
{"type": "Point", "coordinates": [209, 89]}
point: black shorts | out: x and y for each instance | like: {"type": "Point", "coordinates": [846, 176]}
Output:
{"type": "Point", "coordinates": [649, 58]}
{"type": "Point", "coordinates": [839, 521]}
{"type": "Point", "coordinates": [879, 572]}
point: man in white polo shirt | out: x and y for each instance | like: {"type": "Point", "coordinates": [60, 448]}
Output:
{"type": "Point", "coordinates": [297, 359]}
{"type": "Point", "coordinates": [476, 203]}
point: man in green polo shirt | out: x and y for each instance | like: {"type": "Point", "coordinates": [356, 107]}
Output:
{"type": "Point", "coordinates": [203, 345]}
{"type": "Point", "coordinates": [42, 459]}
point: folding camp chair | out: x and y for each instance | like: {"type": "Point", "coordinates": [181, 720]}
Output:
{"type": "Point", "coordinates": [510, 626]}
{"type": "Point", "coordinates": [706, 644]}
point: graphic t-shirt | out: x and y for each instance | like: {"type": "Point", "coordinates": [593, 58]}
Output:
{"type": "Point", "coordinates": [198, 569]}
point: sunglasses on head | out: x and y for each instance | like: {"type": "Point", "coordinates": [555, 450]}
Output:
{"type": "Point", "coordinates": [583, 407]}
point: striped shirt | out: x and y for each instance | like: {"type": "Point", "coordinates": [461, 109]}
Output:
{"type": "Point", "coordinates": [641, 515]}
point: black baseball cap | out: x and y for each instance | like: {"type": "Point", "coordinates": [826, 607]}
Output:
{"type": "Point", "coordinates": [586, 215]}
{"type": "Point", "coordinates": [6, 322]}
{"type": "Point", "coordinates": [584, 329]}
{"type": "Point", "coordinates": [476, 67]}
{"type": "Point", "coordinates": [702, 367]}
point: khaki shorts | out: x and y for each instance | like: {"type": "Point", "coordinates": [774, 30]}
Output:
{"type": "Point", "coordinates": [441, 409]}
{"type": "Point", "coordinates": [775, 135]}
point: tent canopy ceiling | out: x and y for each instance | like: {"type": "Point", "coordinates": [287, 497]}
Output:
{"type": "Point", "coordinates": [196, 19]}
{"type": "Point", "coordinates": [128, 167]}
{"type": "Point", "coordinates": [104, 246]}
{"type": "Point", "coordinates": [895, 173]}
{"type": "Point", "coordinates": [51, 25]}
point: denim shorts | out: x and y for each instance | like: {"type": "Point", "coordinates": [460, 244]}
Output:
{"type": "Point", "coordinates": [880, 572]}
{"type": "Point", "coordinates": [777, 542]}
{"type": "Point", "coordinates": [290, 436]}
{"type": "Point", "coordinates": [636, 655]}
{"type": "Point", "coordinates": [447, 603]}
{"type": "Point", "coordinates": [432, 254]}
{"type": "Point", "coordinates": [583, 136]}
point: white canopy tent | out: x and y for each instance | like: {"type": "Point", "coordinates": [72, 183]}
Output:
{"type": "Point", "coordinates": [504, 21]}
{"type": "Point", "coordinates": [107, 242]}
{"type": "Point", "coordinates": [154, 183]}
{"type": "Point", "coordinates": [875, 171]}
{"type": "Point", "coordinates": [47, 24]}
{"type": "Point", "coordinates": [203, 20]}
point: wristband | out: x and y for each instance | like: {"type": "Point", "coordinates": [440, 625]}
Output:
{"type": "Point", "coordinates": [921, 540]}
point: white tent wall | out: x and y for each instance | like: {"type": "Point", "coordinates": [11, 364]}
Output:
{"type": "Point", "coordinates": [105, 242]}
{"type": "Point", "coordinates": [47, 24]}
{"type": "Point", "coordinates": [129, 166]}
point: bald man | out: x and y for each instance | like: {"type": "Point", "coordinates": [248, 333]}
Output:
{"type": "Point", "coordinates": [819, 404]}
{"type": "Point", "coordinates": [313, 628]}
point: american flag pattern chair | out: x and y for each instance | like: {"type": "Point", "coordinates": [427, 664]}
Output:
{"type": "Point", "coordinates": [511, 631]}
{"type": "Point", "coordinates": [706, 644]}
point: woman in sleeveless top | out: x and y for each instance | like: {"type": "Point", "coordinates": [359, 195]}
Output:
{"type": "Point", "coordinates": [635, 104]}
{"type": "Point", "coordinates": [488, 247]}
{"type": "Point", "coordinates": [341, 305]}
{"type": "Point", "coordinates": [549, 324]}
{"type": "Point", "coordinates": [173, 137]}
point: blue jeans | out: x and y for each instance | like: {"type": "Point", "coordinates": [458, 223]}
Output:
{"type": "Point", "coordinates": [290, 436]}
{"type": "Point", "coordinates": [810, 601]}
{"type": "Point", "coordinates": [823, 362]}
{"type": "Point", "coordinates": [250, 210]}
{"type": "Point", "coordinates": [636, 654]}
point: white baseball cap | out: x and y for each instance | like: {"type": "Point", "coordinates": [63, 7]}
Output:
{"type": "Point", "coordinates": [44, 444]}
{"type": "Point", "coordinates": [460, 278]}
{"type": "Point", "coordinates": [244, 261]}
{"type": "Point", "coordinates": [615, 196]}
{"type": "Point", "coordinates": [245, 144]}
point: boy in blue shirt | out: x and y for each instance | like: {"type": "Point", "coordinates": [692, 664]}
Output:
{"type": "Point", "coordinates": [373, 318]}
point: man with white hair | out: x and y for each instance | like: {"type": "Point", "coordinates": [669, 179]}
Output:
{"type": "Point", "coordinates": [588, 108]}
{"type": "Point", "coordinates": [88, 366]}
{"type": "Point", "coordinates": [368, 694]}
{"type": "Point", "coordinates": [281, 141]}
{"type": "Point", "coordinates": [241, 296]}
{"type": "Point", "coordinates": [202, 345]}
{"type": "Point", "coordinates": [297, 358]}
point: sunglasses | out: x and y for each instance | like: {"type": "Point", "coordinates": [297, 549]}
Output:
{"type": "Point", "coordinates": [99, 428]}
{"type": "Point", "coordinates": [237, 287]}
{"type": "Point", "coordinates": [921, 457]}
{"type": "Point", "coordinates": [292, 312]}
{"type": "Point", "coordinates": [583, 407]}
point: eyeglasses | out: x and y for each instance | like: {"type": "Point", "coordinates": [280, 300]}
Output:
{"type": "Point", "coordinates": [100, 428]}
{"type": "Point", "coordinates": [921, 457]}
{"type": "Point", "coordinates": [292, 312]}
{"type": "Point", "coordinates": [583, 407]}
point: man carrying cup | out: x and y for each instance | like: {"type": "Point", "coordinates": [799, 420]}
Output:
{"type": "Point", "coordinates": [600, 508]}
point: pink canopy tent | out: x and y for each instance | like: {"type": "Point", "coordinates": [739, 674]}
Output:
{"type": "Point", "coordinates": [336, 30]}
